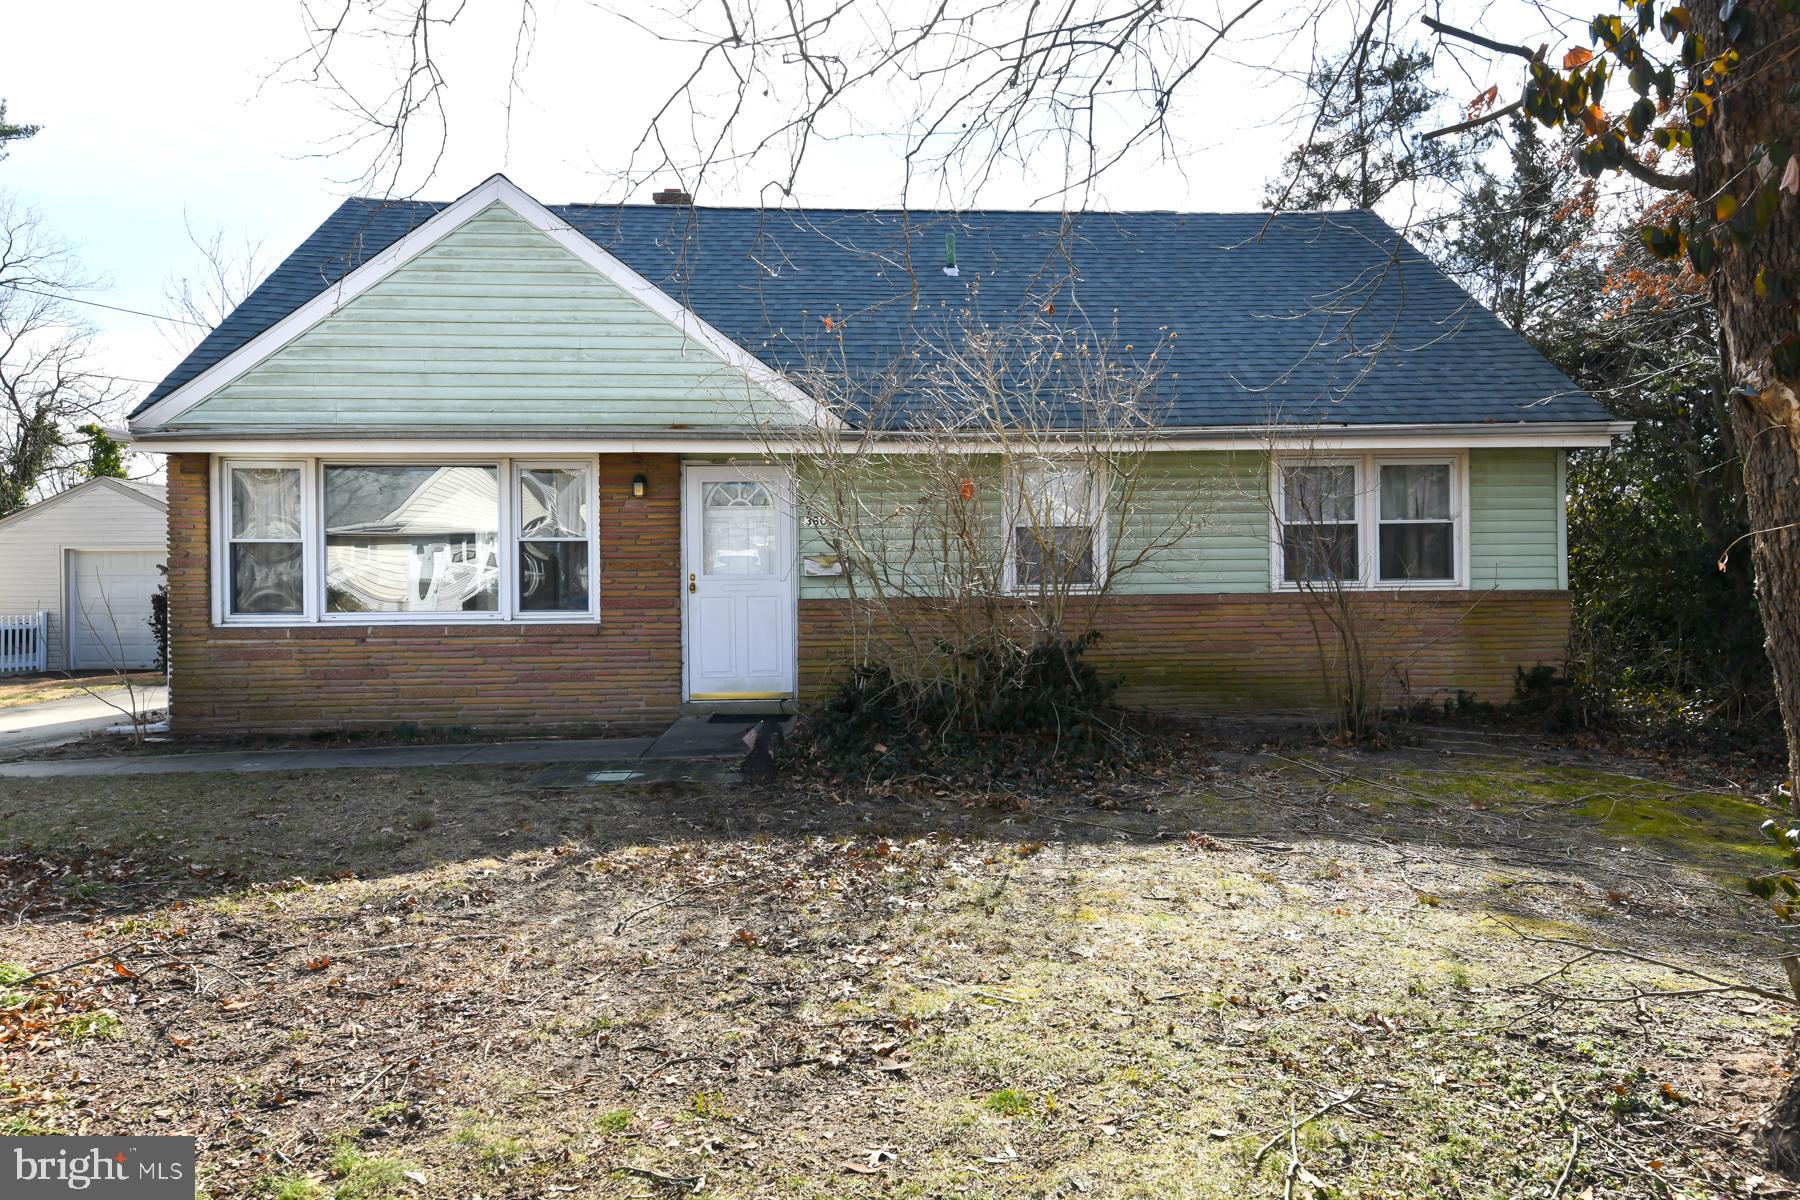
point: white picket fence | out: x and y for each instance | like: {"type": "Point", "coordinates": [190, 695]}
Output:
{"type": "Point", "coordinates": [24, 643]}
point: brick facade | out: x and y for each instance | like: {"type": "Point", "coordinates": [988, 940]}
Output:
{"type": "Point", "coordinates": [1259, 651]}
{"type": "Point", "coordinates": [623, 674]}
{"type": "Point", "coordinates": [1177, 651]}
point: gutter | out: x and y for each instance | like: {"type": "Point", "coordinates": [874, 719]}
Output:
{"type": "Point", "coordinates": [553, 441]}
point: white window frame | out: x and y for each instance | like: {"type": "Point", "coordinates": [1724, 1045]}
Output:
{"type": "Point", "coordinates": [1368, 518]}
{"type": "Point", "coordinates": [312, 495]}
{"type": "Point", "coordinates": [1102, 493]}
{"type": "Point", "coordinates": [517, 535]}
{"type": "Point", "coordinates": [223, 541]}
{"type": "Point", "coordinates": [1279, 522]}
{"type": "Point", "coordinates": [503, 521]}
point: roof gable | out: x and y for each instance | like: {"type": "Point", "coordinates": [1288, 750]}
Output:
{"type": "Point", "coordinates": [142, 493]}
{"type": "Point", "coordinates": [489, 312]}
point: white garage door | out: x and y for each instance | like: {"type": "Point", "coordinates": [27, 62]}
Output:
{"type": "Point", "coordinates": [109, 608]}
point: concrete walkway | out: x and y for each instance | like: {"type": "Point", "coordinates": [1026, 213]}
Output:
{"type": "Point", "coordinates": [58, 722]}
{"type": "Point", "coordinates": [690, 738]}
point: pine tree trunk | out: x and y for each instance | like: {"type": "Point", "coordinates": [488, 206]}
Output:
{"type": "Point", "coordinates": [1765, 402]}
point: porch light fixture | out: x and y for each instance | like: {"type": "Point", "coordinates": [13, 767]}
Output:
{"type": "Point", "coordinates": [638, 486]}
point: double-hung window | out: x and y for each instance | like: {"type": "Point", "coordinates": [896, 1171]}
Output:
{"type": "Point", "coordinates": [1417, 524]}
{"type": "Point", "coordinates": [265, 548]}
{"type": "Point", "coordinates": [1320, 541]}
{"type": "Point", "coordinates": [1058, 527]}
{"type": "Point", "coordinates": [321, 541]}
{"type": "Point", "coordinates": [1369, 521]}
{"type": "Point", "coordinates": [556, 561]}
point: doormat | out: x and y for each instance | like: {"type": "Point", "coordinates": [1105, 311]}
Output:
{"type": "Point", "coordinates": [744, 718]}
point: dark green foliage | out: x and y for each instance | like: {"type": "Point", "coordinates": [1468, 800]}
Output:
{"type": "Point", "coordinates": [1656, 621]}
{"type": "Point", "coordinates": [1672, 638]}
{"type": "Point", "coordinates": [106, 457]}
{"type": "Point", "coordinates": [1781, 888]}
{"type": "Point", "coordinates": [159, 617]}
{"type": "Point", "coordinates": [1014, 715]}
{"type": "Point", "coordinates": [10, 132]}
{"type": "Point", "coordinates": [29, 456]}
{"type": "Point", "coordinates": [1550, 700]}
{"type": "Point", "coordinates": [1371, 103]}
{"type": "Point", "coordinates": [1663, 639]}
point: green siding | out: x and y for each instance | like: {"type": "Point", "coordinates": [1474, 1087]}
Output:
{"type": "Point", "coordinates": [1515, 519]}
{"type": "Point", "coordinates": [1217, 503]}
{"type": "Point", "coordinates": [895, 513]}
{"type": "Point", "coordinates": [1196, 523]}
{"type": "Point", "coordinates": [495, 323]}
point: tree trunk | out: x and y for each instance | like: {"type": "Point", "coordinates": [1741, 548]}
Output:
{"type": "Point", "coordinates": [1764, 405]}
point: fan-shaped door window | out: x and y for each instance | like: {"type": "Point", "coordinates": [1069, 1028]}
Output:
{"type": "Point", "coordinates": [738, 530]}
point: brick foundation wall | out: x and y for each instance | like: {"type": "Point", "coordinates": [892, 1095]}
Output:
{"type": "Point", "coordinates": [623, 674]}
{"type": "Point", "coordinates": [1216, 652]}
{"type": "Point", "coordinates": [1197, 652]}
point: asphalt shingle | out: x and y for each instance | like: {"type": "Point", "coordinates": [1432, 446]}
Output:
{"type": "Point", "coordinates": [1309, 317]}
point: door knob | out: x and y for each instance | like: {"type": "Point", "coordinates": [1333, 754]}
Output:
{"type": "Point", "coordinates": [692, 586]}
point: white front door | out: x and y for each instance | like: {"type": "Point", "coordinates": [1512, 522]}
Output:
{"type": "Point", "coordinates": [738, 546]}
{"type": "Point", "coordinates": [109, 608]}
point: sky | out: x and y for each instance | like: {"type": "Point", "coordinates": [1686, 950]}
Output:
{"type": "Point", "coordinates": [158, 118]}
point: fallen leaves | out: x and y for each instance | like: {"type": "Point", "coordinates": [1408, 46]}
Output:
{"type": "Point", "coordinates": [794, 981]}
{"type": "Point", "coordinates": [879, 1160]}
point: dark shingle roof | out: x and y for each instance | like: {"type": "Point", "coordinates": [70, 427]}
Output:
{"type": "Point", "coordinates": [1328, 317]}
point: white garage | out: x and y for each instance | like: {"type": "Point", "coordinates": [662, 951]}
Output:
{"type": "Point", "coordinates": [89, 558]}
{"type": "Point", "coordinates": [109, 606]}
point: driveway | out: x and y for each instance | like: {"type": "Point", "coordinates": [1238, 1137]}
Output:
{"type": "Point", "coordinates": [54, 722]}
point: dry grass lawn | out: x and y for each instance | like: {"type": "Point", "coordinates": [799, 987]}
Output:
{"type": "Point", "coordinates": [449, 983]}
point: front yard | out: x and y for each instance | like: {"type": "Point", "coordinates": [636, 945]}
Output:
{"type": "Point", "coordinates": [16, 693]}
{"type": "Point", "coordinates": [1300, 973]}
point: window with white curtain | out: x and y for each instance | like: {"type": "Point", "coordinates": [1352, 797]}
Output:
{"type": "Point", "coordinates": [1320, 541]}
{"type": "Point", "coordinates": [1417, 525]}
{"type": "Point", "coordinates": [1057, 526]}
{"type": "Point", "coordinates": [1370, 520]}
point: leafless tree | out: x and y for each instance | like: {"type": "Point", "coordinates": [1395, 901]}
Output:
{"type": "Point", "coordinates": [965, 87]}
{"type": "Point", "coordinates": [49, 382]}
{"type": "Point", "coordinates": [227, 272]}
{"type": "Point", "coordinates": [1310, 509]}
{"type": "Point", "coordinates": [126, 693]}
{"type": "Point", "coordinates": [970, 87]}
{"type": "Point", "coordinates": [981, 501]}
{"type": "Point", "coordinates": [1366, 645]}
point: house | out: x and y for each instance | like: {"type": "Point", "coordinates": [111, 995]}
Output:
{"type": "Point", "coordinates": [498, 465]}
{"type": "Point", "coordinates": [88, 557]}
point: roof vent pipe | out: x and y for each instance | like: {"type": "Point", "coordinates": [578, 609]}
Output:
{"type": "Point", "coordinates": [950, 255]}
{"type": "Point", "coordinates": [672, 195]}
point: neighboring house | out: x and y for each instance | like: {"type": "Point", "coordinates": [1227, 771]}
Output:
{"type": "Point", "coordinates": [89, 558]}
{"type": "Point", "coordinates": [498, 465]}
